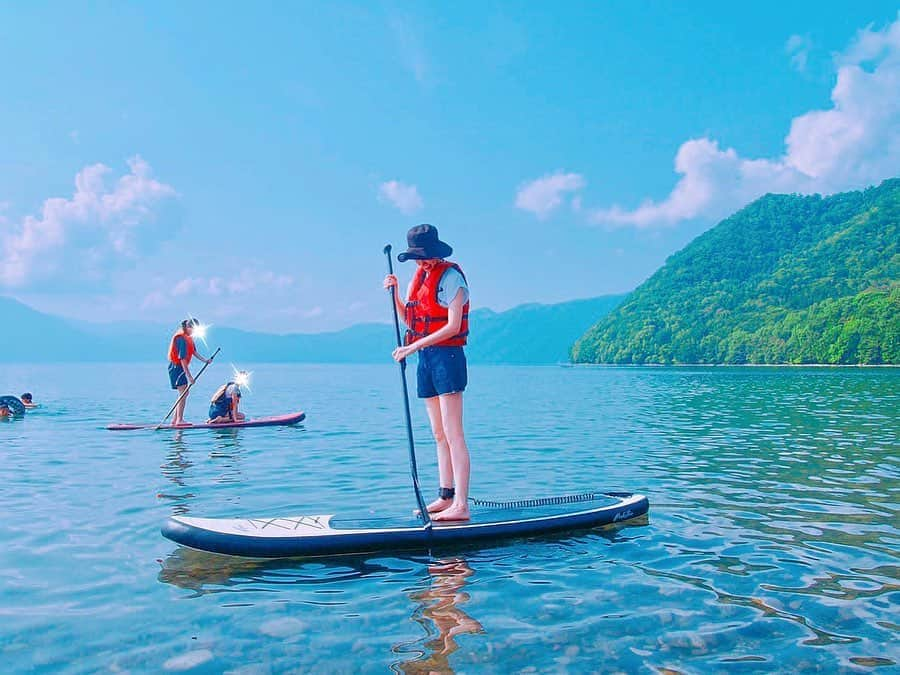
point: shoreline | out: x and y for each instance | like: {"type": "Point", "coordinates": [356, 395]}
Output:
{"type": "Point", "coordinates": [558, 364]}
{"type": "Point", "coordinates": [730, 365]}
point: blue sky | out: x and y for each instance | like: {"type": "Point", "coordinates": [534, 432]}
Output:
{"type": "Point", "coordinates": [247, 164]}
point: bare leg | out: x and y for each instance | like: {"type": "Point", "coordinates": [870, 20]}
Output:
{"type": "Point", "coordinates": [179, 409]}
{"type": "Point", "coordinates": [445, 468]}
{"type": "Point", "coordinates": [452, 415]}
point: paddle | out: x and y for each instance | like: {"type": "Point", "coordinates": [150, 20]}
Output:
{"type": "Point", "coordinates": [413, 470]}
{"type": "Point", "coordinates": [185, 392]}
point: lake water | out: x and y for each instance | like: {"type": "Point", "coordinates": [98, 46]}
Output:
{"type": "Point", "coordinates": [773, 541]}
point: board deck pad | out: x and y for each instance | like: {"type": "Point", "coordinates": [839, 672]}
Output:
{"type": "Point", "coordinates": [330, 535]}
{"type": "Point", "coordinates": [279, 420]}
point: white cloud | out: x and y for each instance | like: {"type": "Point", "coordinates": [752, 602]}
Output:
{"type": "Point", "coordinates": [154, 300]}
{"type": "Point", "coordinates": [300, 313]}
{"type": "Point", "coordinates": [410, 46]}
{"type": "Point", "coordinates": [869, 45]}
{"type": "Point", "coordinates": [543, 195]}
{"type": "Point", "coordinates": [246, 282]}
{"type": "Point", "coordinates": [313, 313]}
{"type": "Point", "coordinates": [576, 204]}
{"type": "Point", "coordinates": [250, 280]}
{"type": "Point", "coordinates": [87, 235]}
{"type": "Point", "coordinates": [198, 285]}
{"type": "Point", "coordinates": [185, 286]}
{"type": "Point", "coordinates": [401, 196]}
{"type": "Point", "coordinates": [854, 143]}
{"type": "Point", "coordinates": [798, 48]}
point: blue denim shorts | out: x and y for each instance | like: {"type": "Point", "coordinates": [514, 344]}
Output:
{"type": "Point", "coordinates": [220, 410]}
{"type": "Point", "coordinates": [442, 370]}
{"type": "Point", "coordinates": [177, 376]}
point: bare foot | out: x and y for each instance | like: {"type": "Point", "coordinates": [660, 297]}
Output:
{"type": "Point", "coordinates": [439, 504]}
{"type": "Point", "coordinates": [455, 513]}
{"type": "Point", "coordinates": [436, 506]}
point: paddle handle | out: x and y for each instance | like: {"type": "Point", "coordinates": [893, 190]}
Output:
{"type": "Point", "coordinates": [185, 392]}
{"type": "Point", "coordinates": [413, 468]}
{"type": "Point", "coordinates": [391, 291]}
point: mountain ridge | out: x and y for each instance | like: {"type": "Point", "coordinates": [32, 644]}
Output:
{"type": "Point", "coordinates": [786, 279]}
{"type": "Point", "coordinates": [527, 334]}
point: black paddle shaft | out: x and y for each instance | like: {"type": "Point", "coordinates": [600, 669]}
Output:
{"type": "Point", "coordinates": [413, 469]}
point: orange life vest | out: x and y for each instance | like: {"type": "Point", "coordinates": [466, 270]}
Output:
{"type": "Point", "coordinates": [173, 349]}
{"type": "Point", "coordinates": [425, 315]}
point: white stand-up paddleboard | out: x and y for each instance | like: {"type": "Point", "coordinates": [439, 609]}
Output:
{"type": "Point", "coordinates": [331, 535]}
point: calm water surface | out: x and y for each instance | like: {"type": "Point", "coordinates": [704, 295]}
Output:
{"type": "Point", "coordinates": [772, 542]}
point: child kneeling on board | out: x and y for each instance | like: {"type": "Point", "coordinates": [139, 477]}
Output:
{"type": "Point", "coordinates": [223, 407]}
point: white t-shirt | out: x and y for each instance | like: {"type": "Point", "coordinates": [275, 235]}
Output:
{"type": "Point", "coordinates": [451, 283]}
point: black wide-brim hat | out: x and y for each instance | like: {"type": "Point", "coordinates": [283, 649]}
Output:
{"type": "Point", "coordinates": [423, 244]}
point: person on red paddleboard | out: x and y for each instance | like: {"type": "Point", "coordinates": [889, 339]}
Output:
{"type": "Point", "coordinates": [223, 407]}
{"type": "Point", "coordinates": [181, 351]}
{"type": "Point", "coordinates": [436, 312]}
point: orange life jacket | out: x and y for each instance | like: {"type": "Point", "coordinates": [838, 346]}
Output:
{"type": "Point", "coordinates": [425, 315]}
{"type": "Point", "coordinates": [173, 349]}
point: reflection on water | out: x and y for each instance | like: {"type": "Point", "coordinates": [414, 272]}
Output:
{"type": "Point", "coordinates": [227, 455]}
{"type": "Point", "coordinates": [196, 570]}
{"type": "Point", "coordinates": [177, 464]}
{"type": "Point", "coordinates": [437, 602]}
{"type": "Point", "coordinates": [440, 613]}
{"type": "Point", "coordinates": [225, 459]}
{"type": "Point", "coordinates": [203, 572]}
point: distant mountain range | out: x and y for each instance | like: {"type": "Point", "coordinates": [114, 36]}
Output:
{"type": "Point", "coordinates": [528, 334]}
{"type": "Point", "coordinates": [787, 279]}
{"type": "Point", "coordinates": [533, 334]}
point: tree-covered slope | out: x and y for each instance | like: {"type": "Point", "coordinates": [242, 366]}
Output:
{"type": "Point", "coordinates": [788, 279]}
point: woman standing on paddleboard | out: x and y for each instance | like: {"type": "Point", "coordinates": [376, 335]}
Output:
{"type": "Point", "coordinates": [436, 313]}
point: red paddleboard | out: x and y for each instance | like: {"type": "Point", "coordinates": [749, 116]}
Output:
{"type": "Point", "coordinates": [278, 421]}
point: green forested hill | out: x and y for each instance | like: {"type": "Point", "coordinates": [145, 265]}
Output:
{"type": "Point", "coordinates": [788, 279]}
